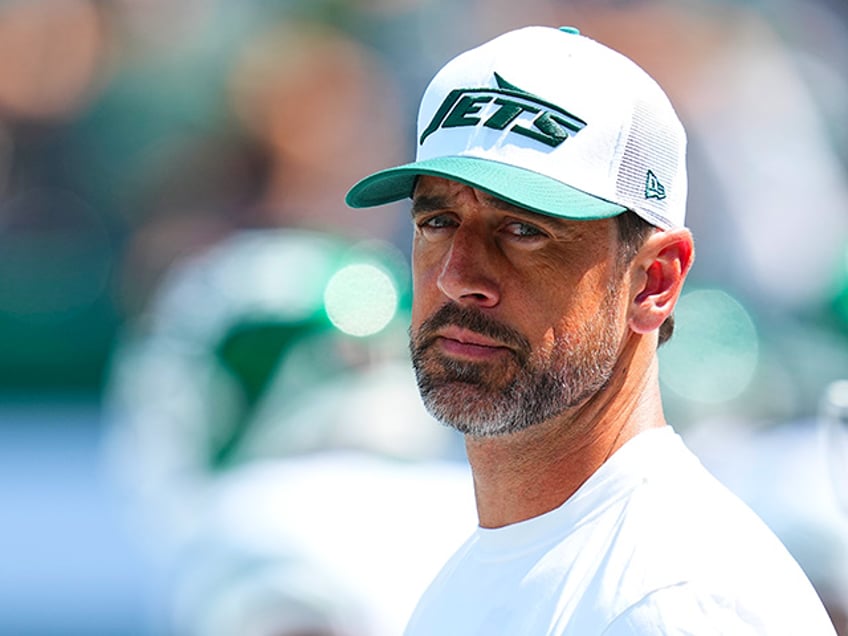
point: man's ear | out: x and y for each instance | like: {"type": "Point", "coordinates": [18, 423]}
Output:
{"type": "Point", "coordinates": [658, 272]}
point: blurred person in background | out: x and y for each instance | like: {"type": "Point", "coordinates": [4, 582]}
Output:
{"type": "Point", "coordinates": [254, 419]}
{"type": "Point", "coordinates": [247, 402]}
{"type": "Point", "coordinates": [58, 245]}
{"type": "Point", "coordinates": [593, 515]}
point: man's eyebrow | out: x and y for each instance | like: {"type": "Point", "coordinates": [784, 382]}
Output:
{"type": "Point", "coordinates": [425, 203]}
{"type": "Point", "coordinates": [506, 206]}
{"type": "Point", "coordinates": [518, 210]}
{"type": "Point", "coordinates": [430, 203]}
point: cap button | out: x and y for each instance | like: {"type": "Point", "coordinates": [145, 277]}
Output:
{"type": "Point", "coordinates": [570, 29]}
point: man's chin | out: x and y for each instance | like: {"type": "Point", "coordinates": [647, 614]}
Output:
{"type": "Point", "coordinates": [471, 410]}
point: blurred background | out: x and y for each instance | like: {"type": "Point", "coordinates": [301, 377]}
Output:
{"type": "Point", "coordinates": [208, 425]}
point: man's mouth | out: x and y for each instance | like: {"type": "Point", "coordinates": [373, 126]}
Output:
{"type": "Point", "coordinates": [459, 342]}
{"type": "Point", "coordinates": [467, 334]}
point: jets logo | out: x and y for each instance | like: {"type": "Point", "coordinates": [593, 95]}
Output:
{"type": "Point", "coordinates": [551, 125]}
{"type": "Point", "coordinates": [653, 188]}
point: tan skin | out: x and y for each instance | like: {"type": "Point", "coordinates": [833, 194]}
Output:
{"type": "Point", "coordinates": [542, 276]}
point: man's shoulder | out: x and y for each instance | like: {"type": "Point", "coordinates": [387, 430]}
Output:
{"type": "Point", "coordinates": [683, 536]}
{"type": "Point", "coordinates": [682, 519]}
{"type": "Point", "coordinates": [695, 608]}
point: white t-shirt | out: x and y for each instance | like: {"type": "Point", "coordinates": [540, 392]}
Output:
{"type": "Point", "coordinates": [650, 544]}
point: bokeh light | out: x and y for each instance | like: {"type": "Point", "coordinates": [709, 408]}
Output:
{"type": "Point", "coordinates": [361, 299]}
{"type": "Point", "coordinates": [715, 349]}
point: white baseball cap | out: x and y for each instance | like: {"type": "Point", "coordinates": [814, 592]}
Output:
{"type": "Point", "coordinates": [551, 121]}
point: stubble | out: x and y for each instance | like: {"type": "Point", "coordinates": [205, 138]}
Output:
{"type": "Point", "coordinates": [523, 389]}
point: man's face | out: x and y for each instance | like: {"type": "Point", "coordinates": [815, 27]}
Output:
{"type": "Point", "coordinates": [517, 317]}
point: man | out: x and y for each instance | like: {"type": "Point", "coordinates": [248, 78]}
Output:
{"type": "Point", "coordinates": [549, 195]}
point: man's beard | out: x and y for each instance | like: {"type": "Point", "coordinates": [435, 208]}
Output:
{"type": "Point", "coordinates": [497, 398]}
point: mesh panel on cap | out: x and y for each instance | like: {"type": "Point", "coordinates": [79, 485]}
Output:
{"type": "Point", "coordinates": [651, 145]}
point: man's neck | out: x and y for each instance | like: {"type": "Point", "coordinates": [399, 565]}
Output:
{"type": "Point", "coordinates": [526, 474]}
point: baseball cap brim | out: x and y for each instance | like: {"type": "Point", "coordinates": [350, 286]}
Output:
{"type": "Point", "coordinates": [518, 186]}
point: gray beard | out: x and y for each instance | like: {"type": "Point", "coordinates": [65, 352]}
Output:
{"type": "Point", "coordinates": [480, 401]}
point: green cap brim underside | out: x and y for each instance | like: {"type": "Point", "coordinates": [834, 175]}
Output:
{"type": "Point", "coordinates": [519, 186]}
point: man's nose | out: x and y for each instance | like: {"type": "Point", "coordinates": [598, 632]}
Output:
{"type": "Point", "coordinates": [468, 274]}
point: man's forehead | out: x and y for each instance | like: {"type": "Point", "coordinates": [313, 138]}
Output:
{"type": "Point", "coordinates": [428, 185]}
{"type": "Point", "coordinates": [437, 192]}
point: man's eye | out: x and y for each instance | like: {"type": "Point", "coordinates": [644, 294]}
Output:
{"type": "Point", "coordinates": [438, 222]}
{"type": "Point", "coordinates": [524, 230]}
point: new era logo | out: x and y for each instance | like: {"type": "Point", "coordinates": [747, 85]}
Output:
{"type": "Point", "coordinates": [653, 188]}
